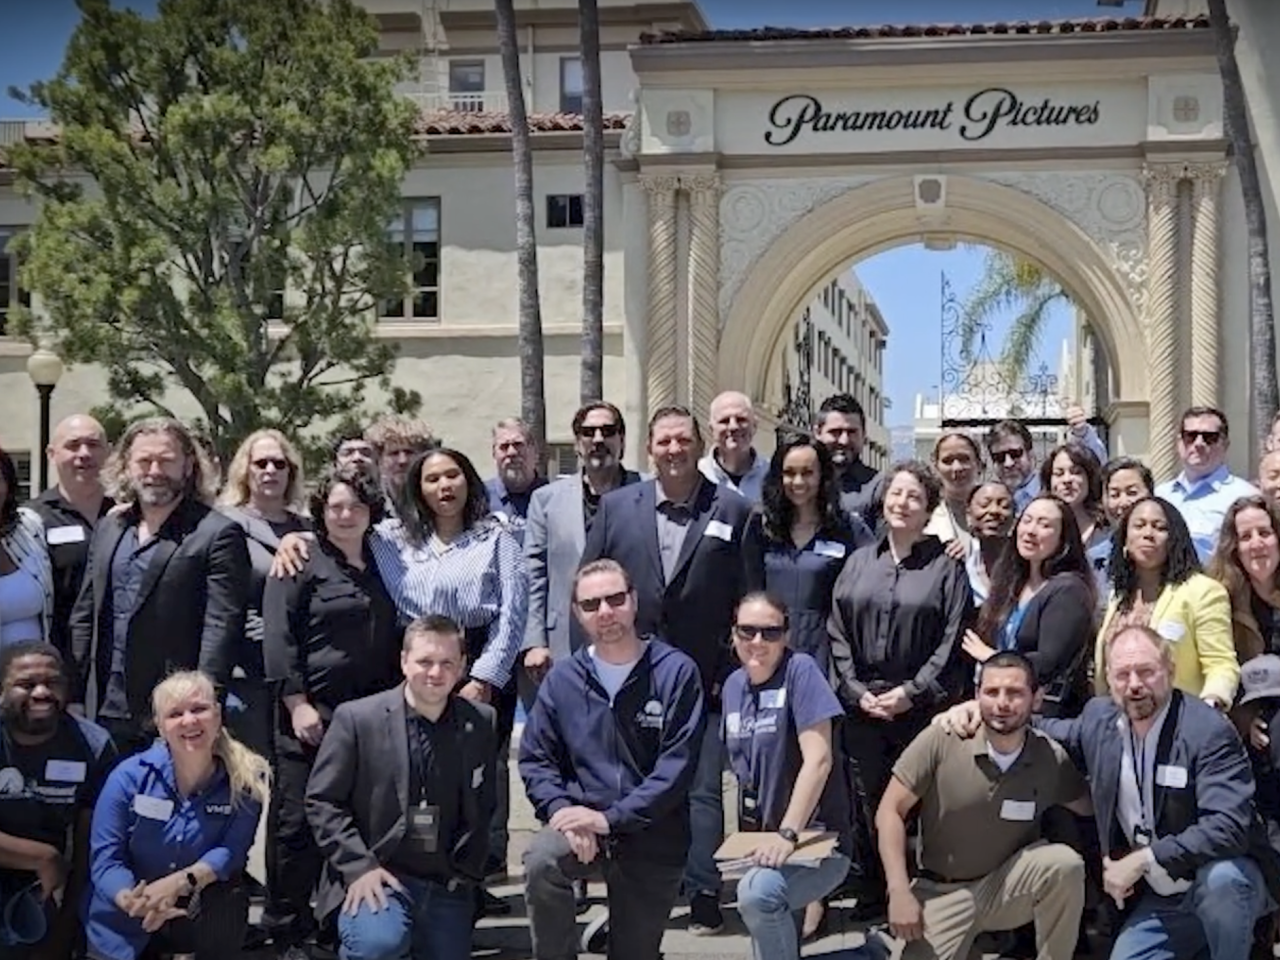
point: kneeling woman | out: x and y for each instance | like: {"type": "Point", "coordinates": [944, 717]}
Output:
{"type": "Point", "coordinates": [778, 715]}
{"type": "Point", "coordinates": [171, 834]}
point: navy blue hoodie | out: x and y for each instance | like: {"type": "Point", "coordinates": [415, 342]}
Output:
{"type": "Point", "coordinates": [633, 759]}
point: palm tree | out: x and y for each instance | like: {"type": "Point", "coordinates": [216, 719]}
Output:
{"type": "Point", "coordinates": [533, 399]}
{"type": "Point", "coordinates": [1010, 283]}
{"type": "Point", "coordinates": [591, 384]}
{"type": "Point", "coordinates": [1264, 395]}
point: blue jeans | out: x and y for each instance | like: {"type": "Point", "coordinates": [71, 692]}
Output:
{"type": "Point", "coordinates": [767, 898]}
{"type": "Point", "coordinates": [706, 813]}
{"type": "Point", "coordinates": [1217, 913]}
{"type": "Point", "coordinates": [426, 922]}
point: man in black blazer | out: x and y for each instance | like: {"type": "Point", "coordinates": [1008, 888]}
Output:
{"type": "Point", "coordinates": [1185, 854]}
{"type": "Point", "coordinates": [166, 587]}
{"type": "Point", "coordinates": [400, 801]}
{"type": "Point", "coordinates": [679, 537]}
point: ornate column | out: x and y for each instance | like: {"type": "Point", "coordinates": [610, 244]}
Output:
{"type": "Point", "coordinates": [704, 289]}
{"type": "Point", "coordinates": [660, 346]}
{"type": "Point", "coordinates": [1160, 322]}
{"type": "Point", "coordinates": [1206, 181]}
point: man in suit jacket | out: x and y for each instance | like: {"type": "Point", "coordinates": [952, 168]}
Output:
{"type": "Point", "coordinates": [556, 532]}
{"type": "Point", "coordinates": [679, 537]}
{"type": "Point", "coordinates": [1185, 854]}
{"type": "Point", "coordinates": [400, 800]}
{"type": "Point", "coordinates": [166, 587]}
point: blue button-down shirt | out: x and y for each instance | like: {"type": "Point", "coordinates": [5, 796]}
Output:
{"type": "Point", "coordinates": [511, 509]}
{"type": "Point", "coordinates": [144, 829]}
{"type": "Point", "coordinates": [128, 567]}
{"type": "Point", "coordinates": [1203, 504]}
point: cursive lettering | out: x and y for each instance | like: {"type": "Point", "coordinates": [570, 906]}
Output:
{"type": "Point", "coordinates": [995, 106]}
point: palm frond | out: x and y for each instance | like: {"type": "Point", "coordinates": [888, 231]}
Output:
{"type": "Point", "coordinates": [1025, 335]}
{"type": "Point", "coordinates": [1008, 283]}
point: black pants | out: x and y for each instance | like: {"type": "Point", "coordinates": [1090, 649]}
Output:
{"type": "Point", "coordinates": [294, 862]}
{"type": "Point", "coordinates": [499, 836]}
{"type": "Point", "coordinates": [641, 895]}
{"type": "Point", "coordinates": [214, 931]}
{"type": "Point", "coordinates": [872, 748]}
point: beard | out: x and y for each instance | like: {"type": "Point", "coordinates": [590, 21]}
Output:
{"type": "Point", "coordinates": [160, 493]}
{"type": "Point", "coordinates": [1004, 726]}
{"type": "Point", "coordinates": [1140, 708]}
{"type": "Point", "coordinates": [16, 716]}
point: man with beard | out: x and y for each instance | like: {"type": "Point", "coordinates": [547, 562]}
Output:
{"type": "Point", "coordinates": [70, 510]}
{"type": "Point", "coordinates": [167, 584]}
{"type": "Point", "coordinates": [982, 863]}
{"type": "Point", "coordinates": [1185, 852]}
{"type": "Point", "coordinates": [52, 767]}
{"type": "Point", "coordinates": [841, 427]}
{"type": "Point", "coordinates": [515, 457]}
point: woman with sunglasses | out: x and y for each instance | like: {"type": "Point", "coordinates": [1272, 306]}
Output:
{"type": "Point", "coordinates": [779, 717]}
{"type": "Point", "coordinates": [796, 543]}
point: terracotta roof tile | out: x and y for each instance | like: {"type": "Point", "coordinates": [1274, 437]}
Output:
{"type": "Point", "coordinates": [450, 123]}
{"type": "Point", "coordinates": [1012, 28]}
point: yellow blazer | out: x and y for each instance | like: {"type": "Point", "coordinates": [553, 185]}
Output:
{"type": "Point", "coordinates": [1195, 617]}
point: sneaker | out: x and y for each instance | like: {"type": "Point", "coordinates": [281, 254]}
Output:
{"type": "Point", "coordinates": [595, 936]}
{"type": "Point", "coordinates": [705, 918]}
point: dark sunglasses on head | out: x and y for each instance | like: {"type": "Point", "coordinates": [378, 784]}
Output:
{"type": "Point", "coordinates": [263, 462]}
{"type": "Point", "coordinates": [749, 631]}
{"type": "Point", "coordinates": [606, 430]}
{"type": "Point", "coordinates": [592, 604]}
{"type": "Point", "coordinates": [1208, 436]}
{"type": "Point", "coordinates": [1007, 456]}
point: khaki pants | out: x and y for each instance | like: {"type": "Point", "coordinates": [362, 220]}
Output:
{"type": "Point", "coordinates": [1043, 883]}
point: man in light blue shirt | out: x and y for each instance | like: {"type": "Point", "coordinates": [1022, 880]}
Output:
{"type": "Point", "coordinates": [1009, 444]}
{"type": "Point", "coordinates": [1206, 487]}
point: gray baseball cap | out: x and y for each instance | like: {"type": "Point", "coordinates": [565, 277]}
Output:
{"type": "Point", "coordinates": [1261, 678]}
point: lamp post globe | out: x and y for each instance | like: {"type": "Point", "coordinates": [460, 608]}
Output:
{"type": "Point", "coordinates": [45, 369]}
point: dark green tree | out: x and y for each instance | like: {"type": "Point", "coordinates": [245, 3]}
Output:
{"type": "Point", "coordinates": [213, 215]}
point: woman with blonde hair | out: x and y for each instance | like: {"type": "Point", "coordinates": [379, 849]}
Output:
{"type": "Point", "coordinates": [264, 495]}
{"type": "Point", "coordinates": [171, 835]}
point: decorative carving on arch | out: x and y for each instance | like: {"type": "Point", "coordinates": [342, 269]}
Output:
{"type": "Point", "coordinates": [1111, 208]}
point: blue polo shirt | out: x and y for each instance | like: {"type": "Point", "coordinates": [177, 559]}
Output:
{"type": "Point", "coordinates": [1203, 504]}
{"type": "Point", "coordinates": [144, 829]}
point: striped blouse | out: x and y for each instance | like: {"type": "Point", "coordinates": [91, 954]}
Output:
{"type": "Point", "coordinates": [478, 580]}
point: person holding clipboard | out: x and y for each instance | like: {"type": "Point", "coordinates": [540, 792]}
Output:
{"type": "Point", "coordinates": [171, 834]}
{"type": "Point", "coordinates": [779, 710]}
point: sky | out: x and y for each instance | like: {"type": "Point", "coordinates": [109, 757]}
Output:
{"type": "Point", "coordinates": [904, 281]}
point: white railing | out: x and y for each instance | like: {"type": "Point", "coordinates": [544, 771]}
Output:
{"type": "Point", "coordinates": [442, 101]}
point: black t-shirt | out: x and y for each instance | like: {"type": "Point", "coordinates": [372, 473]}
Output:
{"type": "Point", "coordinates": [435, 779]}
{"type": "Point", "coordinates": [44, 788]}
{"type": "Point", "coordinates": [1268, 618]}
{"type": "Point", "coordinates": [68, 535]}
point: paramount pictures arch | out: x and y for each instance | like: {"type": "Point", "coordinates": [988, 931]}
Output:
{"type": "Point", "coordinates": [761, 169]}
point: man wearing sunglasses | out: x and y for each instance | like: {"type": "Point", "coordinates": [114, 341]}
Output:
{"type": "Point", "coordinates": [1206, 486]}
{"type": "Point", "coordinates": [607, 758]}
{"type": "Point", "coordinates": [1009, 444]}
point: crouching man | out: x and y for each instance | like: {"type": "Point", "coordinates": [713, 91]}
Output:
{"type": "Point", "coordinates": [400, 800]}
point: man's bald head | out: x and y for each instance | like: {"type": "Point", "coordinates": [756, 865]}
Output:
{"type": "Point", "coordinates": [78, 449]}
{"type": "Point", "coordinates": [730, 399]}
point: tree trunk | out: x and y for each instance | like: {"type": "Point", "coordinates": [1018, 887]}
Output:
{"type": "Point", "coordinates": [591, 384]}
{"type": "Point", "coordinates": [533, 400]}
{"type": "Point", "coordinates": [1264, 395]}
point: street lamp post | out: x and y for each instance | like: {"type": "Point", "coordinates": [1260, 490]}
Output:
{"type": "Point", "coordinates": [45, 368]}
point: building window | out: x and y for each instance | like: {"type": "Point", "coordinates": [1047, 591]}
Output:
{"type": "Point", "coordinates": [415, 235]}
{"type": "Point", "coordinates": [564, 210]}
{"type": "Point", "coordinates": [562, 460]}
{"type": "Point", "coordinates": [571, 85]}
{"type": "Point", "coordinates": [466, 85]}
{"type": "Point", "coordinates": [11, 293]}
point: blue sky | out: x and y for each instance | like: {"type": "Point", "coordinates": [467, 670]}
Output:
{"type": "Point", "coordinates": [904, 281]}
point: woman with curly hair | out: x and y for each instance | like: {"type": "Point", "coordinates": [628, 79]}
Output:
{"type": "Point", "coordinates": [1156, 582]}
{"type": "Point", "coordinates": [796, 542]}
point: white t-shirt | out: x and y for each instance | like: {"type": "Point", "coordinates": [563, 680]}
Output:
{"type": "Point", "coordinates": [612, 675]}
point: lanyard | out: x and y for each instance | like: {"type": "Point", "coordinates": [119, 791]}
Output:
{"type": "Point", "coordinates": [1139, 757]}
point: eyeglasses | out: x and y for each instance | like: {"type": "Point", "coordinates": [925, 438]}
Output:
{"type": "Point", "coordinates": [1210, 437]}
{"type": "Point", "coordinates": [1007, 456]}
{"type": "Point", "coordinates": [592, 604]}
{"type": "Point", "coordinates": [747, 632]}
{"type": "Point", "coordinates": [606, 430]}
{"type": "Point", "coordinates": [278, 462]}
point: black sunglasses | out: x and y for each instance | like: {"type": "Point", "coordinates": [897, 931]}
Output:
{"type": "Point", "coordinates": [747, 632]}
{"type": "Point", "coordinates": [606, 430]}
{"type": "Point", "coordinates": [1006, 456]}
{"type": "Point", "coordinates": [592, 604]}
{"type": "Point", "coordinates": [279, 463]}
{"type": "Point", "coordinates": [1210, 437]}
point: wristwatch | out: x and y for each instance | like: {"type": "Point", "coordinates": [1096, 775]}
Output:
{"type": "Point", "coordinates": [192, 883]}
{"type": "Point", "coordinates": [786, 833]}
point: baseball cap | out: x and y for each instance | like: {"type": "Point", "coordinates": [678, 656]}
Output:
{"type": "Point", "coordinates": [1261, 678]}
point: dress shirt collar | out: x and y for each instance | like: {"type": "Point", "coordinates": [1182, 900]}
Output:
{"type": "Point", "coordinates": [1214, 480]}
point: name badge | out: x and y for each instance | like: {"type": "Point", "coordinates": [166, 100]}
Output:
{"type": "Point", "coordinates": [477, 777]}
{"type": "Point", "coordinates": [152, 808]}
{"type": "Point", "coordinates": [1020, 810]}
{"type": "Point", "coordinates": [773, 699]}
{"type": "Point", "coordinates": [70, 534]}
{"type": "Point", "coordinates": [423, 833]}
{"type": "Point", "coordinates": [828, 548]}
{"type": "Point", "coordinates": [719, 529]}
{"type": "Point", "coordinates": [1171, 630]}
{"type": "Point", "coordinates": [1168, 775]}
{"type": "Point", "coordinates": [66, 771]}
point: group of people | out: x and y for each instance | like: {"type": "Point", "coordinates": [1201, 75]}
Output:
{"type": "Point", "coordinates": [870, 653]}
